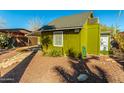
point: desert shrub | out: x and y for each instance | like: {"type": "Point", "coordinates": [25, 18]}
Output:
{"type": "Point", "coordinates": [55, 52]}
{"type": "Point", "coordinates": [72, 53]}
{"type": "Point", "coordinates": [120, 40]}
{"type": "Point", "coordinates": [4, 40]}
{"type": "Point", "coordinates": [118, 48]}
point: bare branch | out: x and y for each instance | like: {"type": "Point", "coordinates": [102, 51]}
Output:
{"type": "Point", "coordinates": [35, 24]}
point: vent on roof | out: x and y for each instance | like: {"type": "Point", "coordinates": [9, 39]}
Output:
{"type": "Point", "coordinates": [93, 21]}
{"type": "Point", "coordinates": [76, 30]}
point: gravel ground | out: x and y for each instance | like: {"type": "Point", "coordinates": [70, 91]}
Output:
{"type": "Point", "coordinates": [42, 69]}
{"type": "Point", "coordinates": [13, 64]}
{"type": "Point", "coordinates": [10, 64]}
{"type": "Point", "coordinates": [60, 69]}
{"type": "Point", "coordinates": [8, 54]}
{"type": "Point", "coordinates": [106, 67]}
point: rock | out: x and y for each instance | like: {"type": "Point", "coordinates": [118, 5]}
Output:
{"type": "Point", "coordinates": [82, 77]}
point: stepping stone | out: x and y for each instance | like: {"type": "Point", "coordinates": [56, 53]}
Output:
{"type": "Point", "coordinates": [82, 77]}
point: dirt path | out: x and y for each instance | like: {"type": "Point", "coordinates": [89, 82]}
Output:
{"type": "Point", "coordinates": [42, 69]}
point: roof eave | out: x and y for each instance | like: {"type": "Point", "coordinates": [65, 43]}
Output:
{"type": "Point", "coordinates": [64, 28]}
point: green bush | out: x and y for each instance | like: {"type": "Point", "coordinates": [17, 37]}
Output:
{"type": "Point", "coordinates": [110, 52]}
{"type": "Point", "coordinates": [4, 40]}
{"type": "Point", "coordinates": [54, 52]}
{"type": "Point", "coordinates": [46, 41]}
{"type": "Point", "coordinates": [72, 53]}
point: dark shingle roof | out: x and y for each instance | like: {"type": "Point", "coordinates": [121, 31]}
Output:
{"type": "Point", "coordinates": [15, 30]}
{"type": "Point", "coordinates": [77, 20]}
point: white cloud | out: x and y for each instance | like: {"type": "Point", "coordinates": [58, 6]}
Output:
{"type": "Point", "coordinates": [2, 22]}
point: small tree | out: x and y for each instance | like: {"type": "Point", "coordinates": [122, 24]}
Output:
{"type": "Point", "coordinates": [120, 40]}
{"type": "Point", "coordinates": [35, 24]}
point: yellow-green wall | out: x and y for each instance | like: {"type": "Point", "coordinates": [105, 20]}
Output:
{"type": "Point", "coordinates": [93, 39]}
{"type": "Point", "coordinates": [88, 37]}
{"type": "Point", "coordinates": [71, 40]}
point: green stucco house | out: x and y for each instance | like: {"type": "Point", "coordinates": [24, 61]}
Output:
{"type": "Point", "coordinates": [76, 32]}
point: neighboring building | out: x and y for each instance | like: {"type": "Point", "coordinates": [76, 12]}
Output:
{"type": "Point", "coordinates": [19, 37]}
{"type": "Point", "coordinates": [17, 32]}
{"type": "Point", "coordinates": [35, 37]}
{"type": "Point", "coordinates": [74, 32]}
{"type": "Point", "coordinates": [122, 33]}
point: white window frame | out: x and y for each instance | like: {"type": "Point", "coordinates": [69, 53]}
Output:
{"type": "Point", "coordinates": [54, 38]}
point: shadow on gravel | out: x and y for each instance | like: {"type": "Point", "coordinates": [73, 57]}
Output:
{"type": "Point", "coordinates": [119, 60]}
{"type": "Point", "coordinates": [80, 68]}
{"type": "Point", "coordinates": [16, 73]}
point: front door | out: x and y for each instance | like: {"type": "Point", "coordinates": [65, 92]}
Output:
{"type": "Point", "coordinates": [104, 43]}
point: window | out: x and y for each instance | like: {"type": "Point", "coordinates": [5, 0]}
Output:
{"type": "Point", "coordinates": [58, 38]}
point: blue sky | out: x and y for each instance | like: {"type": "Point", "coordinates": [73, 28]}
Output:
{"type": "Point", "coordinates": [20, 18]}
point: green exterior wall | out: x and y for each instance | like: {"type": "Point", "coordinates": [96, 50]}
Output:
{"type": "Point", "coordinates": [88, 37]}
{"type": "Point", "coordinates": [83, 35]}
{"type": "Point", "coordinates": [71, 40]}
{"type": "Point", "coordinates": [93, 39]}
